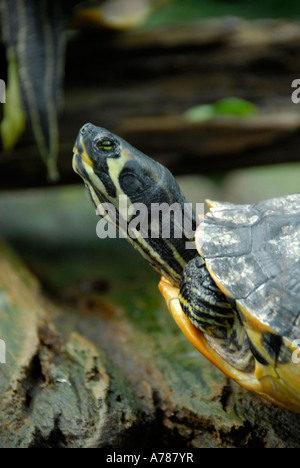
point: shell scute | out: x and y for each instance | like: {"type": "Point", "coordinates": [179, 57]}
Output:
{"type": "Point", "coordinates": [253, 254]}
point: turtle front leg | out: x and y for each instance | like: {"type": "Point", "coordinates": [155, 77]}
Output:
{"type": "Point", "coordinates": [202, 301]}
{"type": "Point", "coordinates": [208, 310]}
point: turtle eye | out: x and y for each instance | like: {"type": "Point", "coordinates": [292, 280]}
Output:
{"type": "Point", "coordinates": [105, 145]}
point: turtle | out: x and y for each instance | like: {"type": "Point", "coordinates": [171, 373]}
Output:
{"type": "Point", "coordinates": [230, 280]}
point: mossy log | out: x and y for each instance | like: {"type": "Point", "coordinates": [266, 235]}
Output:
{"type": "Point", "coordinates": [85, 370]}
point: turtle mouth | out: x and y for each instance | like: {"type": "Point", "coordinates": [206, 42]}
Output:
{"type": "Point", "coordinates": [76, 160]}
{"type": "Point", "coordinates": [78, 164]}
{"type": "Point", "coordinates": [81, 158]}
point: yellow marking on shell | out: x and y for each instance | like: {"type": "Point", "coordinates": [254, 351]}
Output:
{"type": "Point", "coordinates": [215, 205]}
{"type": "Point", "coordinates": [251, 322]}
{"type": "Point", "coordinates": [288, 374]}
{"type": "Point", "coordinates": [212, 204]}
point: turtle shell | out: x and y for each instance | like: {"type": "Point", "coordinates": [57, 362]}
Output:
{"type": "Point", "coordinates": [253, 254]}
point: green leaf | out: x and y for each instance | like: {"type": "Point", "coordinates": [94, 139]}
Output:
{"type": "Point", "coordinates": [235, 106]}
{"type": "Point", "coordinates": [200, 113]}
{"type": "Point", "coordinates": [14, 120]}
{"type": "Point", "coordinates": [231, 106]}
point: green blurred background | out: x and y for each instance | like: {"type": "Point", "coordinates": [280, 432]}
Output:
{"type": "Point", "coordinates": [186, 10]}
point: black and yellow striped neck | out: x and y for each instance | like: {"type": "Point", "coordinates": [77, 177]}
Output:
{"type": "Point", "coordinates": [156, 213]}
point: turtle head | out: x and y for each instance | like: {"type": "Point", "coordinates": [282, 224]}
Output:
{"type": "Point", "coordinates": [142, 193]}
{"type": "Point", "coordinates": [114, 168]}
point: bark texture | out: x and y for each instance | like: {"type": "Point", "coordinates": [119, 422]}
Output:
{"type": "Point", "coordinates": [86, 370]}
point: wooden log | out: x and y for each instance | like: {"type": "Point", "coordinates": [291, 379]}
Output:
{"type": "Point", "coordinates": [101, 364]}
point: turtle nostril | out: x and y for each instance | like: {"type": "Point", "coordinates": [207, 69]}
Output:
{"type": "Point", "coordinates": [85, 128]}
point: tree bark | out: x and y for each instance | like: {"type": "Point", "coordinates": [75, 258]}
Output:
{"type": "Point", "coordinates": [85, 370]}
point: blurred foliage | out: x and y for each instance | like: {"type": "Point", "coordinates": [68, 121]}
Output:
{"type": "Point", "coordinates": [14, 118]}
{"type": "Point", "coordinates": [184, 10]}
{"type": "Point", "coordinates": [231, 106]}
